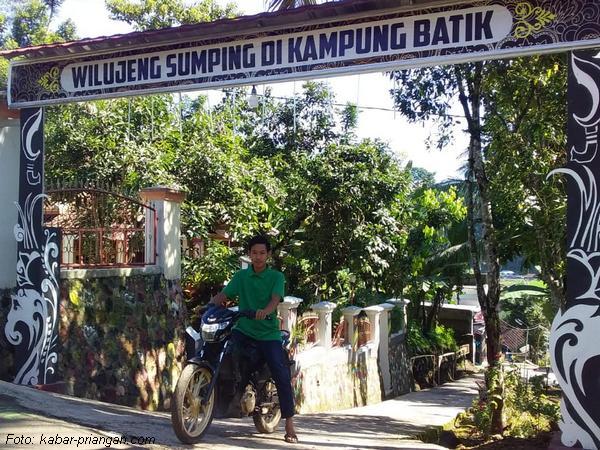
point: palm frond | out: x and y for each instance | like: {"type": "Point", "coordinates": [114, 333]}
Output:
{"type": "Point", "coordinates": [452, 256]}
{"type": "Point", "coordinates": [521, 288]}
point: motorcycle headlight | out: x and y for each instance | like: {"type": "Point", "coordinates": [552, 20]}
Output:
{"type": "Point", "coordinates": [209, 330]}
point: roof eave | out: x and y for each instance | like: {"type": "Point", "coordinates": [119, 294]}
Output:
{"type": "Point", "coordinates": [235, 26]}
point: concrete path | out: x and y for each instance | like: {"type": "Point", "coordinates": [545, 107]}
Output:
{"type": "Point", "coordinates": [388, 425]}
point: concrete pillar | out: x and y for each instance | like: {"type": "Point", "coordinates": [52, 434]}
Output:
{"type": "Point", "coordinates": [349, 313]}
{"type": "Point", "coordinates": [288, 311]}
{"type": "Point", "coordinates": [324, 310]}
{"type": "Point", "coordinates": [384, 346]}
{"type": "Point", "coordinates": [373, 314]}
{"type": "Point", "coordinates": [472, 338]}
{"type": "Point", "coordinates": [10, 145]}
{"type": "Point", "coordinates": [166, 201]}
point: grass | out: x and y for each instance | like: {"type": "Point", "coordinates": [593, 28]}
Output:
{"type": "Point", "coordinates": [506, 282]}
{"type": "Point", "coordinates": [464, 436]}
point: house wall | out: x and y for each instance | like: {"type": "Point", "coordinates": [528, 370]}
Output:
{"type": "Point", "coordinates": [9, 194]}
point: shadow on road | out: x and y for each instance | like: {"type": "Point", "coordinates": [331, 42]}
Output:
{"type": "Point", "coordinates": [387, 425]}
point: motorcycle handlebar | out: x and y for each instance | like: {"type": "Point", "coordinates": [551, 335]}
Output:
{"type": "Point", "coordinates": [248, 313]}
{"type": "Point", "coordinates": [251, 314]}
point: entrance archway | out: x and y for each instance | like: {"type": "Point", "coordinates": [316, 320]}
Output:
{"type": "Point", "coordinates": [326, 40]}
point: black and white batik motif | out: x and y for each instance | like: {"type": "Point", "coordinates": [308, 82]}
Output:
{"type": "Point", "coordinates": [574, 345]}
{"type": "Point", "coordinates": [33, 318]}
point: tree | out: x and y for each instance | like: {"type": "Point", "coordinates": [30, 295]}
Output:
{"type": "Point", "coordinates": [27, 23]}
{"type": "Point", "coordinates": [428, 92]}
{"type": "Point", "coordinates": [124, 143]}
{"type": "Point", "coordinates": [335, 226]}
{"type": "Point", "coordinates": [526, 100]}
{"type": "Point", "coordinates": [31, 25]}
{"type": "Point", "coordinates": [53, 6]}
{"type": "Point", "coordinates": [432, 263]}
{"type": "Point", "coordinates": [156, 14]}
{"type": "Point", "coordinates": [334, 205]}
{"type": "Point", "coordinates": [520, 137]}
{"type": "Point", "coordinates": [423, 93]}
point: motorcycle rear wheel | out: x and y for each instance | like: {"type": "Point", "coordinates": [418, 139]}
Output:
{"type": "Point", "coordinates": [190, 419]}
{"type": "Point", "coordinates": [268, 422]}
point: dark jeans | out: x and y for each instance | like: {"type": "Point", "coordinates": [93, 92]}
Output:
{"type": "Point", "coordinates": [272, 353]}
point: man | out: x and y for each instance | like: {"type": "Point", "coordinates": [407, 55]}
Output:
{"type": "Point", "coordinates": [261, 288]}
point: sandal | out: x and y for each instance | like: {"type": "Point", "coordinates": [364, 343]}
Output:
{"type": "Point", "coordinates": [290, 438]}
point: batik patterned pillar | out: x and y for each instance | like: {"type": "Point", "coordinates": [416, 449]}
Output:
{"type": "Point", "coordinates": [574, 347]}
{"type": "Point", "coordinates": [32, 321]}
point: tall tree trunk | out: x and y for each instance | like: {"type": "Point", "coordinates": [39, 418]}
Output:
{"type": "Point", "coordinates": [434, 312]}
{"type": "Point", "coordinates": [552, 256]}
{"type": "Point", "coordinates": [555, 285]}
{"type": "Point", "coordinates": [472, 233]}
{"type": "Point", "coordinates": [470, 97]}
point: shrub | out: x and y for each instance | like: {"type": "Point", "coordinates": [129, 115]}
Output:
{"type": "Point", "coordinates": [527, 408]}
{"type": "Point", "coordinates": [439, 340]}
{"type": "Point", "coordinates": [482, 415]}
{"type": "Point", "coordinates": [443, 339]}
{"type": "Point", "coordinates": [204, 276]}
{"type": "Point", "coordinates": [417, 343]}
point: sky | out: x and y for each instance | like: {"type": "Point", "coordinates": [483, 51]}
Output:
{"type": "Point", "coordinates": [369, 91]}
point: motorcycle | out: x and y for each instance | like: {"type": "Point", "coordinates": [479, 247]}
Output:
{"type": "Point", "coordinates": [208, 386]}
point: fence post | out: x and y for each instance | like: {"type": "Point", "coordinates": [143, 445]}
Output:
{"type": "Point", "coordinates": [288, 312]}
{"type": "Point", "coordinates": [349, 313]}
{"type": "Point", "coordinates": [373, 313]}
{"type": "Point", "coordinates": [166, 201]}
{"type": "Point", "coordinates": [324, 310]}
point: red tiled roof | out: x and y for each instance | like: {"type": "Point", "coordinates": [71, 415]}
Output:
{"type": "Point", "coordinates": [511, 337]}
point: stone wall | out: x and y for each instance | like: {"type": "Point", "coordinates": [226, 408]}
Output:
{"type": "Point", "coordinates": [400, 367]}
{"type": "Point", "coordinates": [122, 339]}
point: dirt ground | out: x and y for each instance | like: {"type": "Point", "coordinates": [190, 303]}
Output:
{"type": "Point", "coordinates": [509, 443]}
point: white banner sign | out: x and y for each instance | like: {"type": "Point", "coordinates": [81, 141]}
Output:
{"type": "Point", "coordinates": [428, 32]}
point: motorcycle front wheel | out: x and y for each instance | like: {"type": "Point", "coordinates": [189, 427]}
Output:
{"type": "Point", "coordinates": [189, 417]}
{"type": "Point", "coordinates": [267, 419]}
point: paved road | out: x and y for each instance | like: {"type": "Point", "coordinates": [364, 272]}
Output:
{"type": "Point", "coordinates": [388, 425]}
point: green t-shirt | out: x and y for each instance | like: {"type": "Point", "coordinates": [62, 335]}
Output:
{"type": "Point", "coordinates": [254, 291]}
